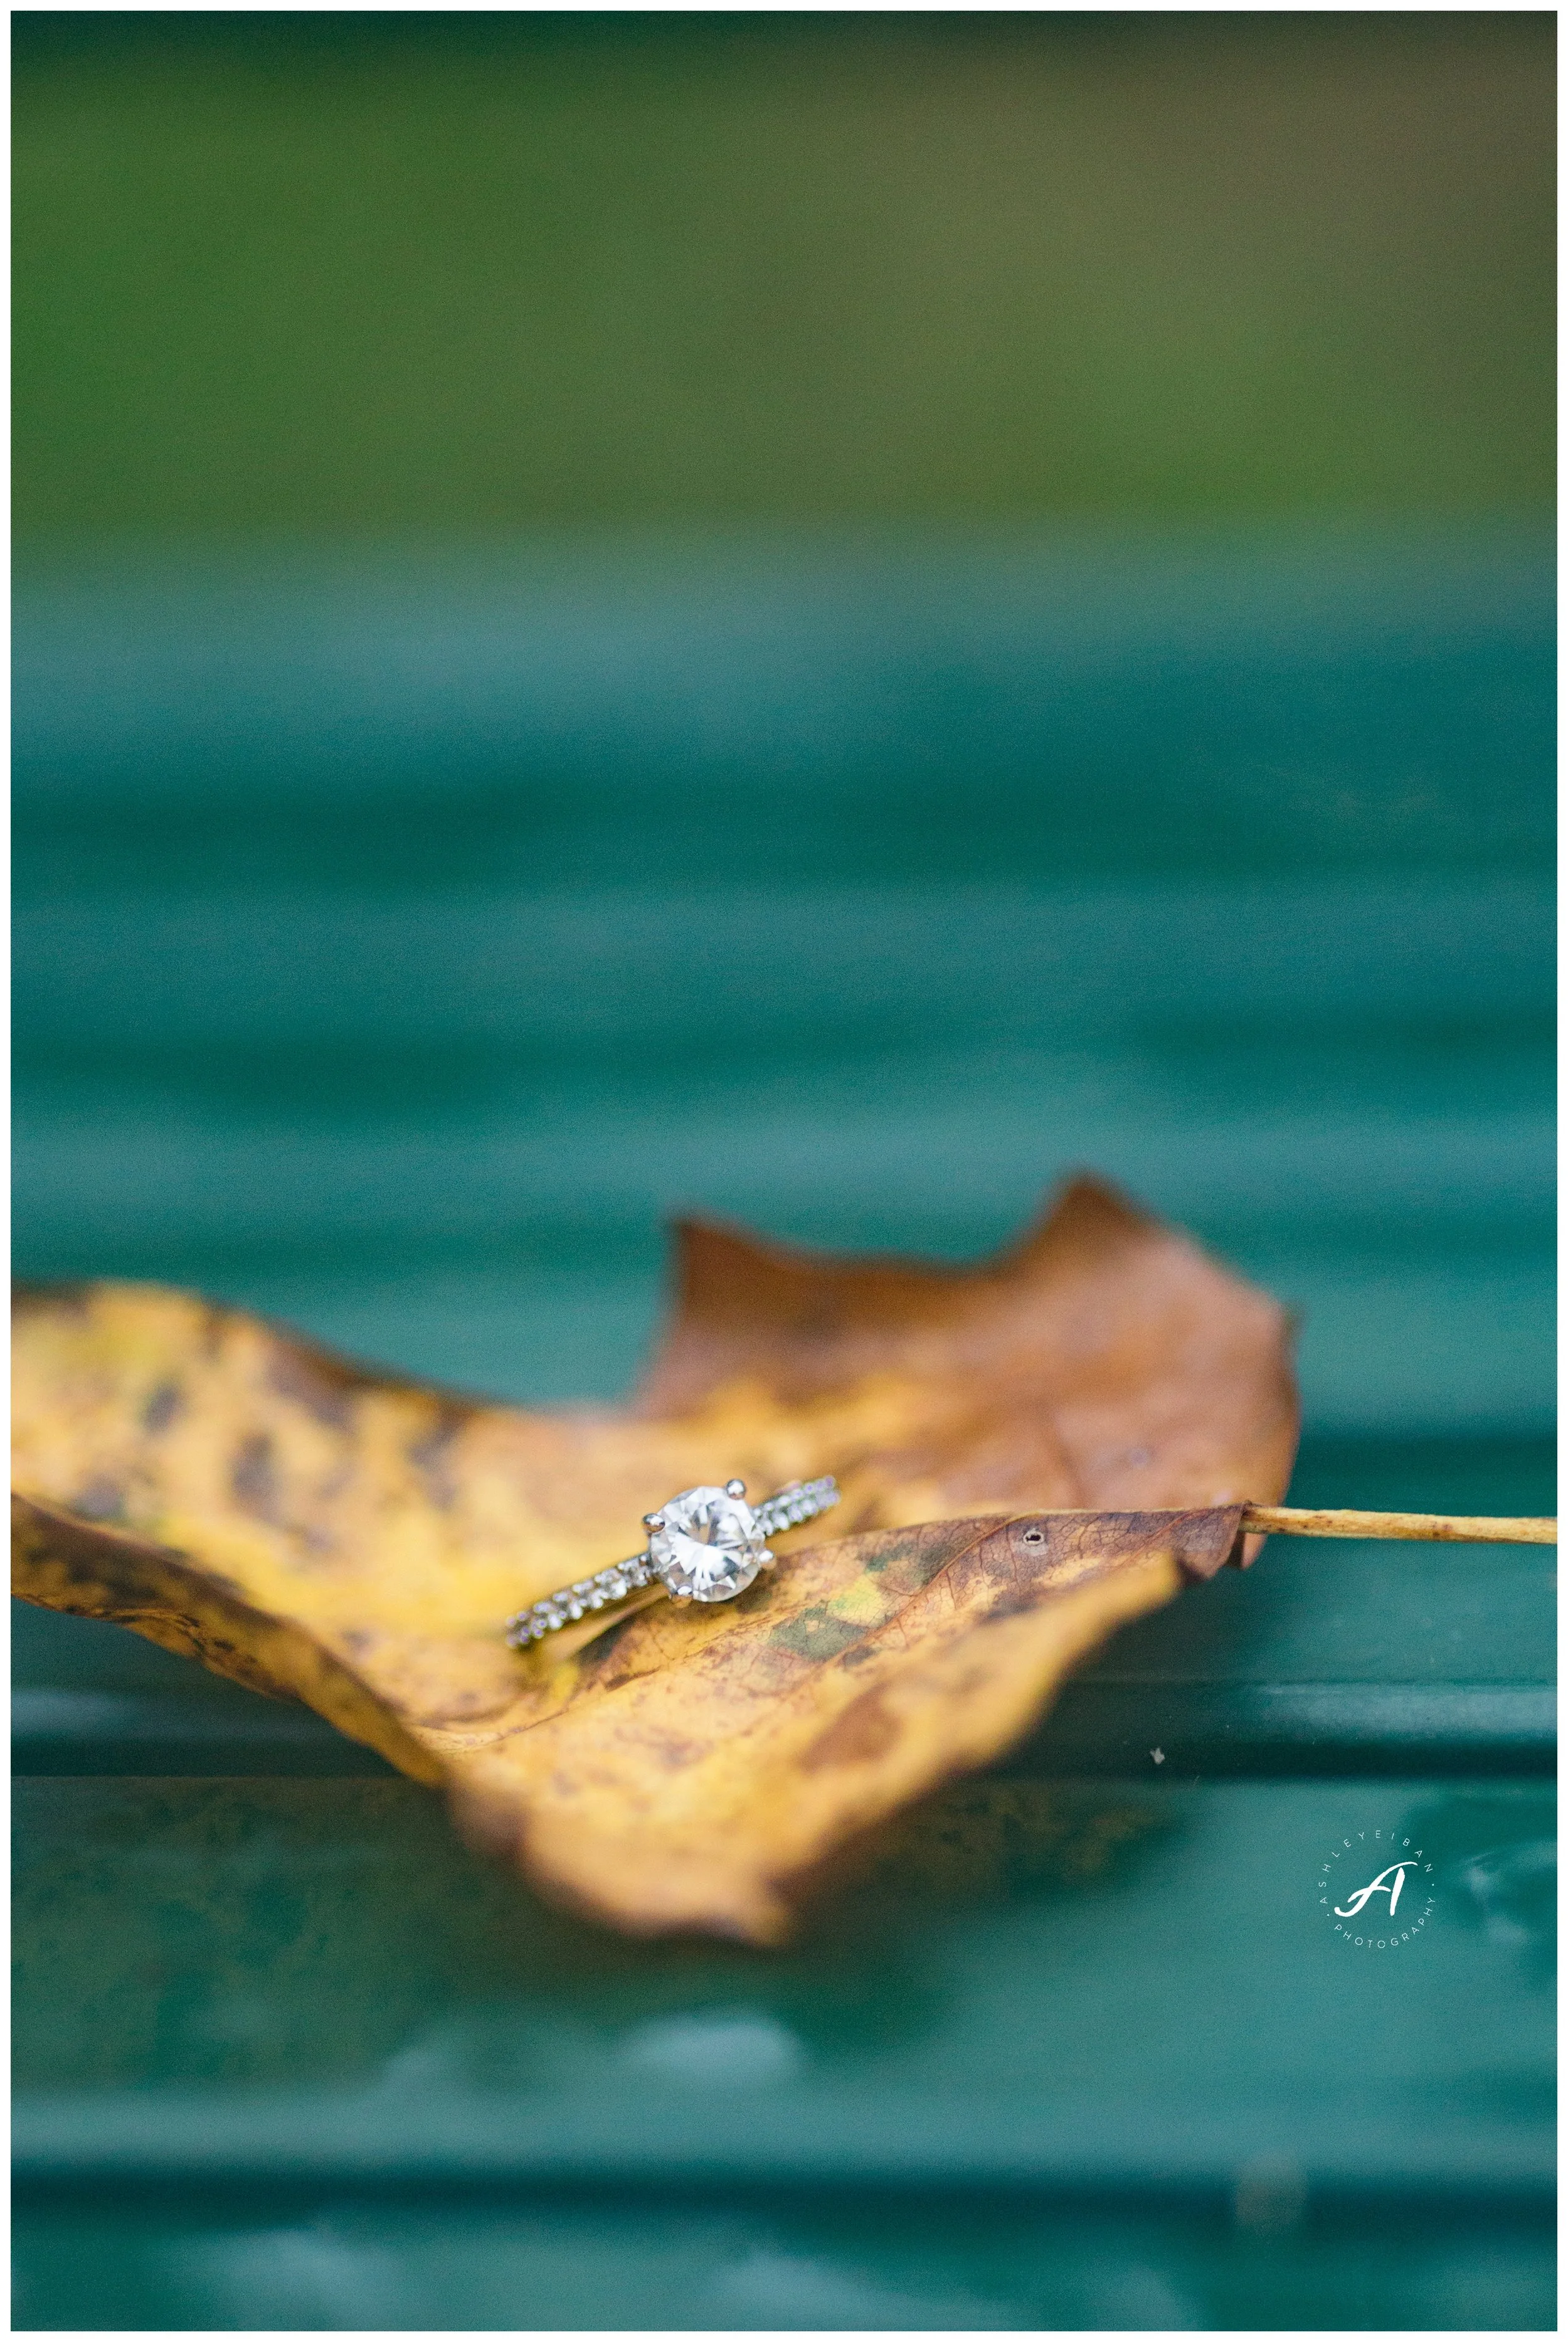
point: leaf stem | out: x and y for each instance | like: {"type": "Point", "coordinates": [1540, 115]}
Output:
{"type": "Point", "coordinates": [1460, 1528]}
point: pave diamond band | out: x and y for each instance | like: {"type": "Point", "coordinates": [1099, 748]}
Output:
{"type": "Point", "coordinates": [801, 1501]}
{"type": "Point", "coordinates": [706, 1545]}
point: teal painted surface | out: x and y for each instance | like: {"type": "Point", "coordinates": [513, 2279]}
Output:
{"type": "Point", "coordinates": [780, 2265]}
{"type": "Point", "coordinates": [394, 950]}
{"type": "Point", "coordinates": [1045, 1990]}
{"type": "Point", "coordinates": [1059, 1977]}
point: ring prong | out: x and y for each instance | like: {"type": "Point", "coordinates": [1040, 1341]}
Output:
{"type": "Point", "coordinates": [735, 1488]}
{"type": "Point", "coordinates": [652, 1520]}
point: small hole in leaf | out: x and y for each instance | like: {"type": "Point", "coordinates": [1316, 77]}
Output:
{"type": "Point", "coordinates": [1034, 1536]}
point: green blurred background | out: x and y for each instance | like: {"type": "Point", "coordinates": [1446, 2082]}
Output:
{"type": "Point", "coordinates": [317, 277]}
{"type": "Point", "coordinates": [822, 619]}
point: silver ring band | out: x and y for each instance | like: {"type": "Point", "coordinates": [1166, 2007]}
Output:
{"type": "Point", "coordinates": [707, 1546]}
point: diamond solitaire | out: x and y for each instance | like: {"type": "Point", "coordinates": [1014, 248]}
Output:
{"type": "Point", "coordinates": [706, 1545]}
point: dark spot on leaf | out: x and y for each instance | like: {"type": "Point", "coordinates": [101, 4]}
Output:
{"type": "Point", "coordinates": [1015, 1605]}
{"type": "Point", "coordinates": [909, 1561]}
{"type": "Point", "coordinates": [312, 1384]}
{"type": "Point", "coordinates": [253, 1479]}
{"type": "Point", "coordinates": [861, 1657]}
{"type": "Point", "coordinates": [102, 1499]}
{"type": "Point", "coordinates": [897, 1548]}
{"type": "Point", "coordinates": [162, 1407]}
{"type": "Point", "coordinates": [817, 1634]}
{"type": "Point", "coordinates": [430, 1456]}
{"type": "Point", "coordinates": [68, 1299]}
{"type": "Point", "coordinates": [864, 1731]}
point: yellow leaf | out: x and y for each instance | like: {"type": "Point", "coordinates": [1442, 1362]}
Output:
{"type": "Point", "coordinates": [358, 1541]}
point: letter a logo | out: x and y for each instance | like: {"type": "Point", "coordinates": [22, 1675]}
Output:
{"type": "Point", "coordinates": [1364, 1894]}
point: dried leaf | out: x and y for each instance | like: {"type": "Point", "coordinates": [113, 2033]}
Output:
{"type": "Point", "coordinates": [358, 1541]}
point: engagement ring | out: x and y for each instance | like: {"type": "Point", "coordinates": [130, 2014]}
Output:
{"type": "Point", "coordinates": [706, 1545]}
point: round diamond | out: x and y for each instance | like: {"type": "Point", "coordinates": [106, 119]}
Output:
{"type": "Point", "coordinates": [707, 1544]}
